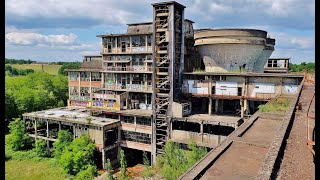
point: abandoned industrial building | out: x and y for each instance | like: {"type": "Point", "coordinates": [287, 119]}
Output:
{"type": "Point", "coordinates": [165, 80]}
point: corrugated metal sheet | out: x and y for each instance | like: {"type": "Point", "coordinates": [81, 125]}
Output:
{"type": "Point", "coordinates": [226, 88]}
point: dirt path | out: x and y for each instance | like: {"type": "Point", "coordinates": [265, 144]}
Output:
{"type": "Point", "coordinates": [297, 162]}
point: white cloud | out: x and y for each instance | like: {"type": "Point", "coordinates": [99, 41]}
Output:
{"type": "Point", "coordinates": [289, 41]}
{"type": "Point", "coordinates": [21, 38]}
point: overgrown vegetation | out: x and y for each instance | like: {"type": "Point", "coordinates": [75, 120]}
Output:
{"type": "Point", "coordinates": [108, 168]}
{"type": "Point", "coordinates": [34, 92]}
{"type": "Point", "coordinates": [123, 166]}
{"type": "Point", "coordinates": [309, 67]}
{"type": "Point", "coordinates": [78, 156]}
{"type": "Point", "coordinates": [64, 140]}
{"type": "Point", "coordinates": [18, 139]}
{"type": "Point", "coordinates": [68, 65]}
{"type": "Point", "coordinates": [175, 161]}
{"type": "Point", "coordinates": [10, 71]}
{"type": "Point", "coordinates": [41, 148]}
{"type": "Point", "coordinates": [280, 105]}
{"type": "Point", "coordinates": [148, 170]}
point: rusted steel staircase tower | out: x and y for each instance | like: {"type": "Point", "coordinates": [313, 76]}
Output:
{"type": "Point", "coordinates": [168, 58]}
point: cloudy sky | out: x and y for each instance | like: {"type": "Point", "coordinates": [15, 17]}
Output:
{"type": "Point", "coordinates": [65, 30]}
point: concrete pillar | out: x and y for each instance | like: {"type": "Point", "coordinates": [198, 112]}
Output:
{"type": "Point", "coordinates": [103, 158]}
{"type": "Point", "coordinates": [217, 106]}
{"type": "Point", "coordinates": [241, 108]}
{"type": "Point", "coordinates": [59, 126]}
{"type": "Point", "coordinates": [219, 136]}
{"type": "Point", "coordinates": [221, 106]}
{"type": "Point", "coordinates": [201, 130]}
{"type": "Point", "coordinates": [74, 132]}
{"type": "Point", "coordinates": [135, 122]}
{"type": "Point", "coordinates": [35, 129]}
{"type": "Point", "coordinates": [119, 142]}
{"type": "Point", "coordinates": [210, 106]}
{"type": "Point", "coordinates": [47, 134]}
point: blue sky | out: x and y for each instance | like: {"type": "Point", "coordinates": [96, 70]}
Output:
{"type": "Point", "coordinates": [65, 30]}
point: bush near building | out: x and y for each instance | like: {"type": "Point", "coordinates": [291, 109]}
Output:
{"type": "Point", "coordinates": [78, 155]}
{"type": "Point", "coordinates": [175, 161]}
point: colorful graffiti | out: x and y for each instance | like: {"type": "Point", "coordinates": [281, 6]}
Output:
{"type": "Point", "coordinates": [79, 103]}
{"type": "Point", "coordinates": [106, 105]}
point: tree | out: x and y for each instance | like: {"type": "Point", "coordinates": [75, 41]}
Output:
{"type": "Point", "coordinates": [123, 165]}
{"type": "Point", "coordinates": [108, 168]}
{"type": "Point", "coordinates": [18, 138]}
{"type": "Point", "coordinates": [64, 140]}
{"type": "Point", "coordinates": [78, 155]}
{"type": "Point", "coordinates": [70, 65]}
{"type": "Point", "coordinates": [41, 148]}
{"type": "Point", "coordinates": [89, 173]}
{"type": "Point", "coordinates": [195, 153]}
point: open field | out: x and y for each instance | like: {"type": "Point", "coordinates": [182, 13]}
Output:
{"type": "Point", "coordinates": [30, 169]}
{"type": "Point", "coordinates": [51, 69]}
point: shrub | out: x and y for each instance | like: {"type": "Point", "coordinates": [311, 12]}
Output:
{"type": "Point", "coordinates": [64, 139]}
{"type": "Point", "coordinates": [18, 139]}
{"type": "Point", "coordinates": [175, 161]}
{"type": "Point", "coordinates": [41, 148]}
{"type": "Point", "coordinates": [123, 165]}
{"type": "Point", "coordinates": [108, 168]}
{"type": "Point", "coordinates": [78, 155]}
{"type": "Point", "coordinates": [87, 174]}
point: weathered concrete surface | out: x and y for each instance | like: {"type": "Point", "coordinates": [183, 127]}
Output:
{"type": "Point", "coordinates": [227, 49]}
{"type": "Point", "coordinates": [260, 137]}
{"type": "Point", "coordinates": [298, 162]}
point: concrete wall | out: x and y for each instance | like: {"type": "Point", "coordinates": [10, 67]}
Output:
{"type": "Point", "coordinates": [207, 140]}
{"type": "Point", "coordinates": [97, 137]}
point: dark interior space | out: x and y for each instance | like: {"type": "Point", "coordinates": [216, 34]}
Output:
{"type": "Point", "coordinates": [186, 126]}
{"type": "Point", "coordinates": [199, 105]}
{"type": "Point", "coordinates": [231, 107]}
{"type": "Point", "coordinates": [134, 157]}
{"type": "Point", "coordinates": [111, 136]}
{"type": "Point", "coordinates": [217, 129]}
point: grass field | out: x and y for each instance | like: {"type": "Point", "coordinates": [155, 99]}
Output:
{"type": "Point", "coordinates": [30, 169]}
{"type": "Point", "coordinates": [51, 69]}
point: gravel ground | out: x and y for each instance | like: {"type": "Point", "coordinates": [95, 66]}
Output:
{"type": "Point", "coordinates": [297, 162]}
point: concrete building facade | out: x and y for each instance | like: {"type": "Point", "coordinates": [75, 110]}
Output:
{"type": "Point", "coordinates": [150, 85]}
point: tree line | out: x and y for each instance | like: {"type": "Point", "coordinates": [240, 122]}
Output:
{"type": "Point", "coordinates": [18, 61]}
{"type": "Point", "coordinates": [309, 67]}
{"type": "Point", "coordinates": [11, 71]}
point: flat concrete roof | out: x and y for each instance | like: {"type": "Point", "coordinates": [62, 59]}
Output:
{"type": "Point", "coordinates": [247, 74]}
{"type": "Point", "coordinates": [213, 119]}
{"type": "Point", "coordinates": [131, 112]}
{"type": "Point", "coordinates": [71, 115]}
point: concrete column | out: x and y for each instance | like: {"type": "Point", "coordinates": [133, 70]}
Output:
{"type": "Point", "coordinates": [135, 122]}
{"type": "Point", "coordinates": [221, 106]}
{"type": "Point", "coordinates": [119, 142]}
{"type": "Point", "coordinates": [103, 158]}
{"type": "Point", "coordinates": [201, 130]}
{"type": "Point", "coordinates": [59, 126]}
{"type": "Point", "coordinates": [79, 84]}
{"type": "Point", "coordinates": [146, 43]}
{"type": "Point", "coordinates": [217, 106]}
{"type": "Point", "coordinates": [219, 136]}
{"type": "Point", "coordinates": [130, 44]}
{"type": "Point", "coordinates": [102, 79]}
{"type": "Point", "coordinates": [74, 132]}
{"type": "Point", "coordinates": [35, 129]}
{"type": "Point", "coordinates": [116, 43]}
{"type": "Point", "coordinates": [242, 108]}
{"type": "Point", "coordinates": [210, 106]}
{"type": "Point", "coordinates": [47, 134]}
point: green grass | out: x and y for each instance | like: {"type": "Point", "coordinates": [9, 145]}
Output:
{"type": "Point", "coordinates": [280, 105]}
{"type": "Point", "coordinates": [51, 69]}
{"type": "Point", "coordinates": [29, 169]}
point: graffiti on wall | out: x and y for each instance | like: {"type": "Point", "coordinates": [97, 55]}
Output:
{"type": "Point", "coordinates": [106, 105]}
{"type": "Point", "coordinates": [79, 103]}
